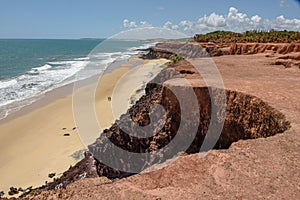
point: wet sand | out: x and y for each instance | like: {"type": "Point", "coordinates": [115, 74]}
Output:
{"type": "Point", "coordinates": [32, 141]}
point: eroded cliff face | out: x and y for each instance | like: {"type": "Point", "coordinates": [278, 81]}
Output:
{"type": "Point", "coordinates": [188, 50]}
{"type": "Point", "coordinates": [196, 50]}
{"type": "Point", "coordinates": [254, 48]}
{"type": "Point", "coordinates": [247, 117]}
{"type": "Point", "coordinates": [286, 54]}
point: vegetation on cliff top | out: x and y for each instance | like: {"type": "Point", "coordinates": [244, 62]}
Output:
{"type": "Point", "coordinates": [249, 36]}
{"type": "Point", "coordinates": [175, 58]}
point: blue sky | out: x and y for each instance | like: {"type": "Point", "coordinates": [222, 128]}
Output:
{"type": "Point", "coordinates": [95, 18]}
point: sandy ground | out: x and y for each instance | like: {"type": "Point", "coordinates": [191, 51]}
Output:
{"type": "Point", "coordinates": [33, 144]}
{"type": "Point", "coordinates": [265, 168]}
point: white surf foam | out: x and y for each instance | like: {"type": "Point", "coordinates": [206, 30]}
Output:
{"type": "Point", "coordinates": [5, 84]}
{"type": "Point", "coordinates": [28, 87]}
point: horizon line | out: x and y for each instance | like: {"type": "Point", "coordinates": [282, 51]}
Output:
{"type": "Point", "coordinates": [42, 38]}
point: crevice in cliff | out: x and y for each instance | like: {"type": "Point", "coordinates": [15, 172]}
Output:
{"type": "Point", "coordinates": [247, 117]}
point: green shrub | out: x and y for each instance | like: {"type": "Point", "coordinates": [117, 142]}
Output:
{"type": "Point", "coordinates": [249, 36]}
{"type": "Point", "coordinates": [175, 58]}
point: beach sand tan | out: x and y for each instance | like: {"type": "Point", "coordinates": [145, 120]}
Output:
{"type": "Point", "coordinates": [33, 144]}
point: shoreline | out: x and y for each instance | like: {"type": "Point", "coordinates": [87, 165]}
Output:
{"type": "Point", "coordinates": [34, 135]}
{"type": "Point", "coordinates": [61, 92]}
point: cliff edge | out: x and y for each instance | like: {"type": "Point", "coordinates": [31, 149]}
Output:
{"type": "Point", "coordinates": [262, 102]}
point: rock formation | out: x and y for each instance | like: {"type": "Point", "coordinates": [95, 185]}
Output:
{"type": "Point", "coordinates": [247, 117]}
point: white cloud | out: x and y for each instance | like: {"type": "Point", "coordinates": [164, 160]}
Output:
{"type": "Point", "coordinates": [129, 24]}
{"type": "Point", "coordinates": [234, 15]}
{"type": "Point", "coordinates": [169, 25]}
{"type": "Point", "coordinates": [234, 20]}
{"type": "Point", "coordinates": [280, 18]}
{"type": "Point", "coordinates": [216, 20]}
{"type": "Point", "coordinates": [256, 18]}
{"type": "Point", "coordinates": [145, 24]}
{"type": "Point", "coordinates": [132, 24]}
{"type": "Point", "coordinates": [288, 24]}
{"type": "Point", "coordinates": [282, 3]}
{"type": "Point", "coordinates": [238, 22]}
{"type": "Point", "coordinates": [232, 10]}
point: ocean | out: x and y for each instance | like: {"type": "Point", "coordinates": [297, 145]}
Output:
{"type": "Point", "coordinates": [31, 67]}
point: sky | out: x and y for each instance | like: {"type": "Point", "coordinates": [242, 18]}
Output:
{"type": "Point", "coordinates": [101, 19]}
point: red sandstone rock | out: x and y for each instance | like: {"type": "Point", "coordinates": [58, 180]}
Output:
{"type": "Point", "coordinates": [261, 168]}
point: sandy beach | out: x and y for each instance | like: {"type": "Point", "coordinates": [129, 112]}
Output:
{"type": "Point", "coordinates": [32, 143]}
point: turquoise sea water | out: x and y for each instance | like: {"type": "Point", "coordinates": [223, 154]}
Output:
{"type": "Point", "coordinates": [19, 56]}
{"type": "Point", "coordinates": [30, 67]}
